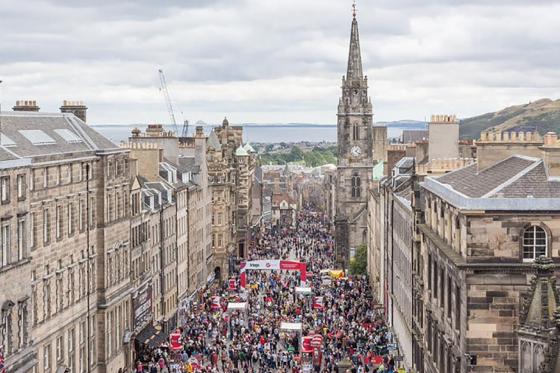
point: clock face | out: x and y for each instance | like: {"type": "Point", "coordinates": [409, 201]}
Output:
{"type": "Point", "coordinates": [356, 151]}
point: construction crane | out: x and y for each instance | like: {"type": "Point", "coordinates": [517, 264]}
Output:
{"type": "Point", "coordinates": [163, 89]}
{"type": "Point", "coordinates": [185, 129]}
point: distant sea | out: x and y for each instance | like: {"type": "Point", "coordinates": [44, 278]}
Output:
{"type": "Point", "coordinates": [263, 133]}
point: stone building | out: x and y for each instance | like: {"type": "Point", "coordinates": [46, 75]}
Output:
{"type": "Point", "coordinates": [222, 187]}
{"type": "Point", "coordinates": [245, 166]}
{"type": "Point", "coordinates": [76, 245]}
{"type": "Point", "coordinates": [193, 170]}
{"type": "Point", "coordinates": [481, 230]}
{"type": "Point", "coordinates": [391, 225]}
{"type": "Point", "coordinates": [283, 210]}
{"type": "Point", "coordinates": [359, 144]}
{"type": "Point", "coordinates": [231, 167]}
{"type": "Point", "coordinates": [183, 165]}
{"type": "Point", "coordinates": [15, 261]}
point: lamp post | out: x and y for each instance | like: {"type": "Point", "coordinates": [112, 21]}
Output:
{"type": "Point", "coordinates": [344, 365]}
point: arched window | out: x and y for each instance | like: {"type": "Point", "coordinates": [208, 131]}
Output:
{"type": "Point", "coordinates": [355, 132]}
{"type": "Point", "coordinates": [535, 243]}
{"type": "Point", "coordinates": [356, 186]}
{"type": "Point", "coordinates": [6, 327]}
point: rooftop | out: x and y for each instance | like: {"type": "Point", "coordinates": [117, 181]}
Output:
{"type": "Point", "coordinates": [516, 183]}
{"type": "Point", "coordinates": [32, 134]}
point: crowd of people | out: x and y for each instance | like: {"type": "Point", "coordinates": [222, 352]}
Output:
{"type": "Point", "coordinates": [337, 310]}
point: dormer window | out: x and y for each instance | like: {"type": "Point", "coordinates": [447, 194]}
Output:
{"type": "Point", "coordinates": [535, 241]}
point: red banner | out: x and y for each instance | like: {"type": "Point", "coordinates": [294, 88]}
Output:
{"type": "Point", "coordinates": [232, 284]}
{"type": "Point", "coordinates": [175, 342]}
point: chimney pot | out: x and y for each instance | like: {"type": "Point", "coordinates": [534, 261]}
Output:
{"type": "Point", "coordinates": [78, 108]}
{"type": "Point", "coordinates": [26, 105]}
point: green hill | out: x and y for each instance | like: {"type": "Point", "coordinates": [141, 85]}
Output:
{"type": "Point", "coordinates": [542, 115]}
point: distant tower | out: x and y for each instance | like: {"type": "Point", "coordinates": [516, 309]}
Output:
{"type": "Point", "coordinates": [443, 137]}
{"type": "Point", "coordinates": [355, 153]}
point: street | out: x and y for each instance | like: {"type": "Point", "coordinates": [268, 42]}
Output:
{"type": "Point", "coordinates": [311, 317]}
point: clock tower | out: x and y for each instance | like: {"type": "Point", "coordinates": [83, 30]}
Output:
{"type": "Point", "coordinates": [355, 133]}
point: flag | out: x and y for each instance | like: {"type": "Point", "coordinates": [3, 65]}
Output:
{"type": "Point", "coordinates": [306, 344]}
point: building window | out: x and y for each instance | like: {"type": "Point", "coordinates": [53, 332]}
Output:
{"type": "Point", "coordinates": [5, 248]}
{"type": "Point", "coordinates": [71, 216]}
{"type": "Point", "coordinates": [71, 344]}
{"type": "Point", "coordinates": [355, 131]}
{"type": "Point", "coordinates": [47, 358]}
{"type": "Point", "coordinates": [32, 180]}
{"type": "Point", "coordinates": [46, 226]}
{"type": "Point", "coordinates": [356, 186]}
{"type": "Point", "coordinates": [82, 215]}
{"type": "Point", "coordinates": [33, 230]}
{"type": "Point", "coordinates": [21, 187]}
{"type": "Point", "coordinates": [534, 243]}
{"type": "Point", "coordinates": [5, 186]}
{"type": "Point", "coordinates": [59, 349]}
{"type": "Point", "coordinates": [58, 175]}
{"type": "Point", "coordinates": [449, 291]}
{"type": "Point", "coordinates": [46, 177]}
{"type": "Point", "coordinates": [69, 174]}
{"type": "Point", "coordinates": [59, 222]}
{"type": "Point", "coordinates": [22, 250]}
{"type": "Point", "coordinates": [6, 327]}
{"type": "Point", "coordinates": [47, 300]}
{"type": "Point", "coordinates": [457, 307]}
{"type": "Point", "coordinates": [429, 272]}
{"type": "Point", "coordinates": [22, 326]}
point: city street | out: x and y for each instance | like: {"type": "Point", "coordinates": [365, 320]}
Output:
{"type": "Point", "coordinates": [278, 324]}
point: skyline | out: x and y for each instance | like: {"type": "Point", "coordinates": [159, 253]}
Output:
{"type": "Point", "coordinates": [277, 61]}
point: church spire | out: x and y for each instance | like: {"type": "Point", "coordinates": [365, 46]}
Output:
{"type": "Point", "coordinates": [354, 56]}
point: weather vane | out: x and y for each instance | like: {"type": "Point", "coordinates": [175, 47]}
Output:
{"type": "Point", "coordinates": [354, 9]}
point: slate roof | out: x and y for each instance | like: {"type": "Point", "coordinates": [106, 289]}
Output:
{"type": "Point", "coordinates": [83, 138]}
{"type": "Point", "coordinates": [514, 177]}
{"type": "Point", "coordinates": [213, 142]}
{"type": "Point", "coordinates": [188, 164]}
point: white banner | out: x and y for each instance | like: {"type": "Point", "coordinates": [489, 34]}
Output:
{"type": "Point", "coordinates": [262, 264]}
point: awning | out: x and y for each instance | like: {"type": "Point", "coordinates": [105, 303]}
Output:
{"type": "Point", "coordinates": [151, 337]}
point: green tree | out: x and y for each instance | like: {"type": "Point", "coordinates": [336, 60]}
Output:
{"type": "Point", "coordinates": [358, 264]}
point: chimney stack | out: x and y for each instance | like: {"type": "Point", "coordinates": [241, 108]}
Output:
{"type": "Point", "coordinates": [199, 131]}
{"type": "Point", "coordinates": [26, 105]}
{"type": "Point", "coordinates": [75, 107]}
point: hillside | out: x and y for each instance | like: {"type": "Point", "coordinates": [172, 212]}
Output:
{"type": "Point", "coordinates": [542, 115]}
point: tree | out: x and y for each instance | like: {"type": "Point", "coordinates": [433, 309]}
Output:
{"type": "Point", "coordinates": [358, 264]}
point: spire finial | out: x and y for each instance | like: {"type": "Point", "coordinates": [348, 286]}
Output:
{"type": "Point", "coordinates": [354, 9]}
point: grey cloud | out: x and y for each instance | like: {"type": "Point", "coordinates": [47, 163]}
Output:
{"type": "Point", "coordinates": [217, 50]}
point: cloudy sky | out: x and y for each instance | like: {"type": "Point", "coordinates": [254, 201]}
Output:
{"type": "Point", "coordinates": [277, 60]}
